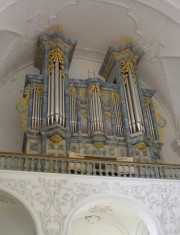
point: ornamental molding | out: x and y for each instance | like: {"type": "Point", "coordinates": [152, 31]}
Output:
{"type": "Point", "coordinates": [55, 197]}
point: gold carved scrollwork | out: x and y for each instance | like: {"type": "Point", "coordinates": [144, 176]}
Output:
{"type": "Point", "coordinates": [105, 95]}
{"type": "Point", "coordinates": [115, 95]}
{"type": "Point", "coordinates": [83, 113]}
{"type": "Point", "coordinates": [161, 122]}
{"type": "Point", "coordinates": [72, 90]}
{"type": "Point", "coordinates": [127, 65]}
{"type": "Point", "coordinates": [53, 55]}
{"type": "Point", "coordinates": [91, 90]}
{"type": "Point", "coordinates": [56, 139]}
{"type": "Point", "coordinates": [146, 101]}
{"type": "Point", "coordinates": [38, 87]}
{"type": "Point", "coordinates": [99, 145]}
{"type": "Point", "coordinates": [82, 92]}
{"type": "Point", "coordinates": [22, 107]}
{"type": "Point", "coordinates": [141, 146]}
{"type": "Point", "coordinates": [107, 115]}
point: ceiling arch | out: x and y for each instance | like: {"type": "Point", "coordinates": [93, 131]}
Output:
{"type": "Point", "coordinates": [96, 24]}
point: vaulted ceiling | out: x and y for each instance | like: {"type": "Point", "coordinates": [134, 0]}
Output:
{"type": "Point", "coordinates": [96, 24]}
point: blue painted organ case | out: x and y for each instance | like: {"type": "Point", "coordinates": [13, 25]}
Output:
{"type": "Point", "coordinates": [110, 119]}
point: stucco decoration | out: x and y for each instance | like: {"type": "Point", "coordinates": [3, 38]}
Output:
{"type": "Point", "coordinates": [55, 197]}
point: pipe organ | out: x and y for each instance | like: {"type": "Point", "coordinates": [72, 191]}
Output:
{"type": "Point", "coordinates": [92, 117]}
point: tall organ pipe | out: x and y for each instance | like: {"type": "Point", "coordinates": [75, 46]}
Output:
{"type": "Point", "coordinates": [129, 118]}
{"type": "Point", "coordinates": [136, 102]}
{"type": "Point", "coordinates": [63, 113]}
{"type": "Point", "coordinates": [33, 113]}
{"type": "Point", "coordinates": [130, 99]}
{"type": "Point", "coordinates": [52, 97]}
{"type": "Point", "coordinates": [60, 98]}
{"type": "Point", "coordinates": [56, 91]}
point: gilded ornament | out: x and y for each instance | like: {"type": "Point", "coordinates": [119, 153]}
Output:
{"type": "Point", "coordinates": [56, 139]}
{"type": "Point", "coordinates": [161, 122]}
{"type": "Point", "coordinates": [146, 101]}
{"type": "Point", "coordinates": [98, 145]}
{"type": "Point", "coordinates": [115, 95]}
{"type": "Point", "coordinates": [127, 65]}
{"type": "Point", "coordinates": [38, 87]}
{"type": "Point", "coordinates": [141, 146]}
{"type": "Point", "coordinates": [22, 107]}
{"type": "Point", "coordinates": [91, 90]}
{"type": "Point", "coordinates": [83, 113]}
{"type": "Point", "coordinates": [82, 92]}
{"type": "Point", "coordinates": [105, 95]}
{"type": "Point", "coordinates": [72, 90]}
{"type": "Point", "coordinates": [53, 55]}
{"type": "Point", "coordinates": [107, 115]}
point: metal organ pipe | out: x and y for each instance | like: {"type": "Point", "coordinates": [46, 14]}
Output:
{"type": "Point", "coordinates": [49, 103]}
{"type": "Point", "coordinates": [152, 132]}
{"type": "Point", "coordinates": [130, 99]}
{"type": "Point", "coordinates": [136, 102]}
{"type": "Point", "coordinates": [129, 119]}
{"type": "Point", "coordinates": [52, 97]}
{"type": "Point", "coordinates": [56, 91]}
{"type": "Point", "coordinates": [56, 113]}
{"type": "Point", "coordinates": [96, 111]}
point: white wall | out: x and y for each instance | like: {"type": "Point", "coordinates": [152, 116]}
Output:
{"type": "Point", "coordinates": [11, 134]}
{"type": "Point", "coordinates": [54, 201]}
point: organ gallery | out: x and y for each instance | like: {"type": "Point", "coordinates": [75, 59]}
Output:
{"type": "Point", "coordinates": [110, 118]}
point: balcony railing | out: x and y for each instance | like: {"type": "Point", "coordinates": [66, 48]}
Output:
{"type": "Point", "coordinates": [39, 163]}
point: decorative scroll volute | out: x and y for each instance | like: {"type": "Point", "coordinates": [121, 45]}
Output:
{"type": "Point", "coordinates": [91, 90]}
{"type": "Point", "coordinates": [115, 95]}
{"type": "Point", "coordinates": [72, 91]}
{"type": "Point", "coordinates": [38, 87]}
{"type": "Point", "coordinates": [22, 107]}
{"type": "Point", "coordinates": [146, 101]}
{"type": "Point", "coordinates": [107, 115]}
{"type": "Point", "coordinates": [53, 55]}
{"type": "Point", "coordinates": [125, 66]}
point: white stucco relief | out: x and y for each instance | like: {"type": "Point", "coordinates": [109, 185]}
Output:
{"type": "Point", "coordinates": [54, 197]}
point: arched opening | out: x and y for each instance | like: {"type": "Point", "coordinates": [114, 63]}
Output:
{"type": "Point", "coordinates": [15, 219]}
{"type": "Point", "coordinates": [112, 215]}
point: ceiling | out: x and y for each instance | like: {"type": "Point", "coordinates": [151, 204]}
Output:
{"type": "Point", "coordinates": [110, 215]}
{"type": "Point", "coordinates": [96, 24]}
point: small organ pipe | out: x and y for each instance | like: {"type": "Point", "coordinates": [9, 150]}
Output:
{"type": "Point", "coordinates": [100, 112]}
{"type": "Point", "coordinates": [49, 103]}
{"type": "Point", "coordinates": [40, 112]}
{"type": "Point", "coordinates": [36, 110]}
{"type": "Point", "coordinates": [63, 113]}
{"type": "Point", "coordinates": [150, 122]}
{"type": "Point", "coordinates": [56, 91]}
{"type": "Point", "coordinates": [33, 113]}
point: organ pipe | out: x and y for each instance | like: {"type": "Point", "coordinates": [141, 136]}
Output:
{"type": "Point", "coordinates": [132, 102]}
{"type": "Point", "coordinates": [49, 101]}
{"type": "Point", "coordinates": [73, 112]}
{"type": "Point", "coordinates": [52, 97]}
{"type": "Point", "coordinates": [117, 116]}
{"type": "Point", "coordinates": [96, 112]}
{"type": "Point", "coordinates": [56, 89]}
{"type": "Point", "coordinates": [56, 112]}
{"type": "Point", "coordinates": [36, 110]}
